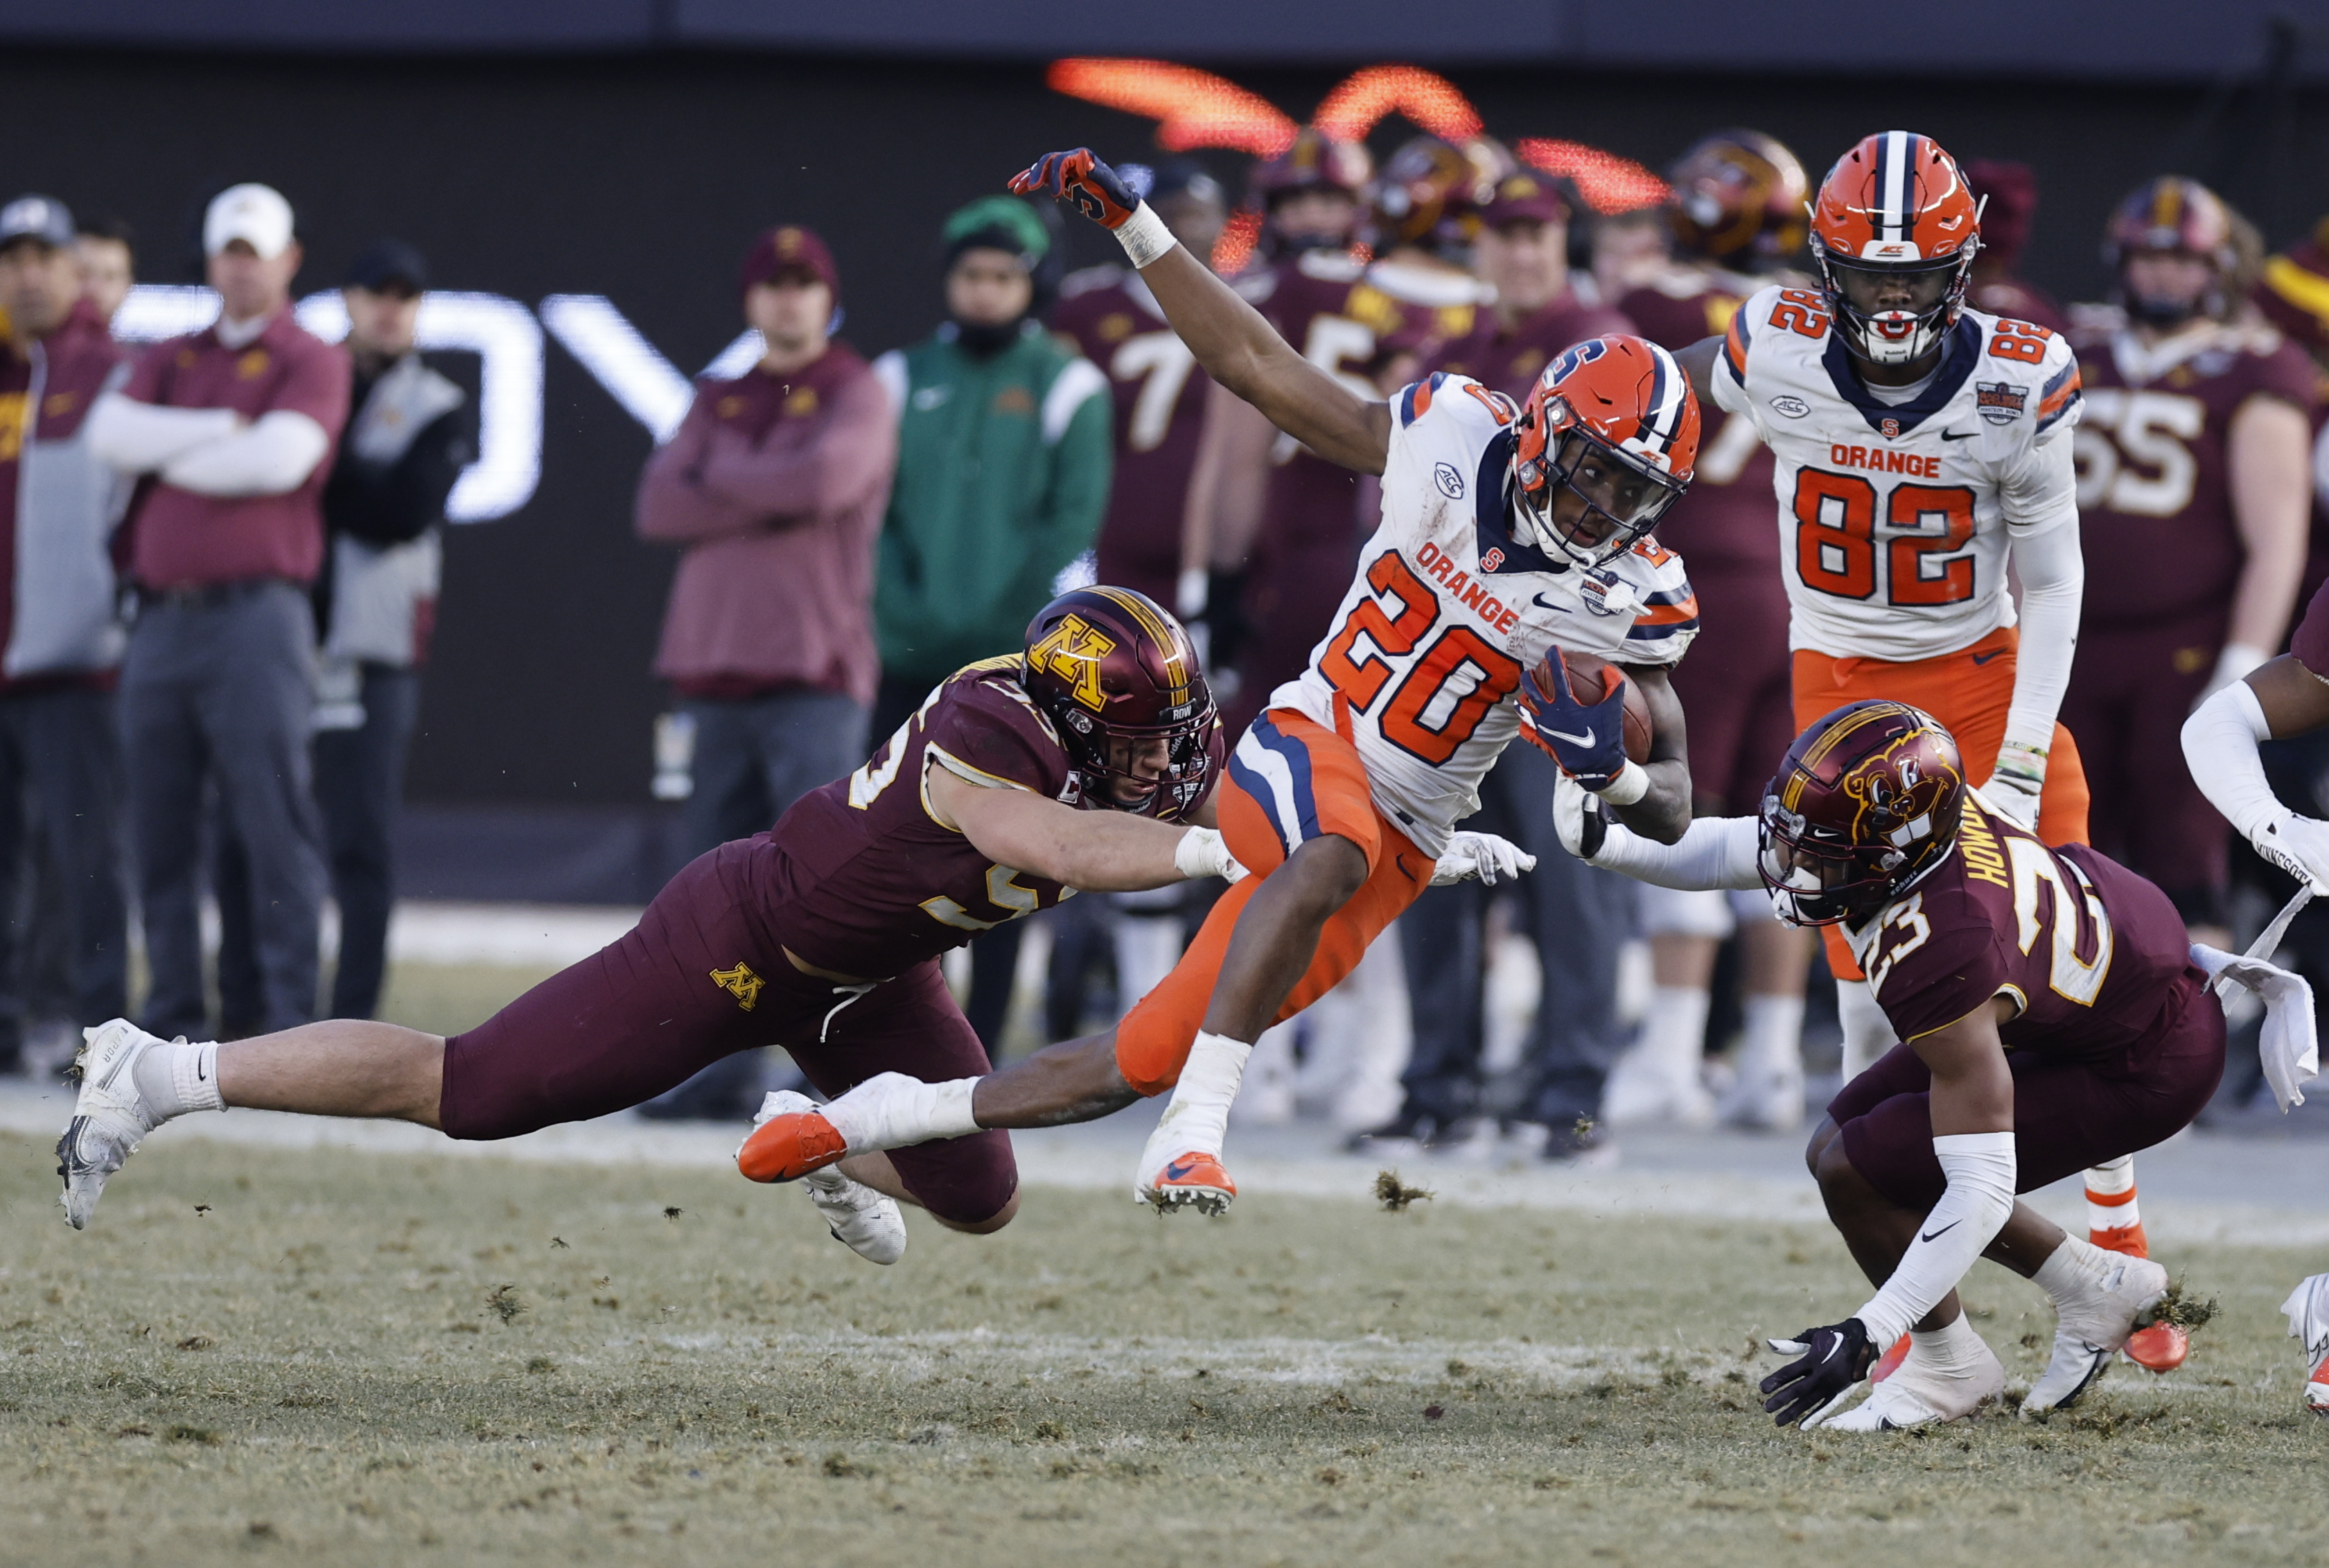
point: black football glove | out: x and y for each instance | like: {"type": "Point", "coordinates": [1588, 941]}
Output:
{"type": "Point", "coordinates": [1832, 1362]}
{"type": "Point", "coordinates": [1083, 182]}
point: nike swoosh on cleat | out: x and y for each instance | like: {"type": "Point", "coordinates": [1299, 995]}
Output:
{"type": "Point", "coordinates": [1584, 740]}
{"type": "Point", "coordinates": [1959, 435]}
{"type": "Point", "coordinates": [1944, 1230]}
{"type": "Point", "coordinates": [1179, 1168]}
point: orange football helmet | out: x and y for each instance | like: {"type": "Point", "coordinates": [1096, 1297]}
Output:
{"type": "Point", "coordinates": [1739, 199]}
{"type": "Point", "coordinates": [1613, 423]}
{"type": "Point", "coordinates": [1894, 233]}
{"type": "Point", "coordinates": [2175, 214]}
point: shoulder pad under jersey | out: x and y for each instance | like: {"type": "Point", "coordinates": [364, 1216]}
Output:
{"type": "Point", "coordinates": [2027, 373]}
{"type": "Point", "coordinates": [1458, 398]}
{"type": "Point", "coordinates": [1667, 622]}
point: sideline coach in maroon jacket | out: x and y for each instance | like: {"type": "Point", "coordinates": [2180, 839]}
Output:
{"type": "Point", "coordinates": [232, 428]}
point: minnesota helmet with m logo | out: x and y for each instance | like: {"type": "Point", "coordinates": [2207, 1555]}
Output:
{"type": "Point", "coordinates": [1121, 683]}
{"type": "Point", "coordinates": [1865, 804]}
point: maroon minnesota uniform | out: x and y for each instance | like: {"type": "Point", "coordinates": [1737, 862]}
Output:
{"type": "Point", "coordinates": [1160, 412]}
{"type": "Point", "coordinates": [859, 879]}
{"type": "Point", "coordinates": [1737, 688]}
{"type": "Point", "coordinates": [2115, 1042]}
{"type": "Point", "coordinates": [2163, 551]}
{"type": "Point", "coordinates": [1306, 549]}
{"type": "Point", "coordinates": [2294, 295]}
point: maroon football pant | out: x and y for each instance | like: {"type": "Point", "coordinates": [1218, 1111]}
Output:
{"type": "Point", "coordinates": [2129, 693]}
{"type": "Point", "coordinates": [1737, 688]}
{"type": "Point", "coordinates": [2069, 1113]}
{"type": "Point", "coordinates": [699, 978]}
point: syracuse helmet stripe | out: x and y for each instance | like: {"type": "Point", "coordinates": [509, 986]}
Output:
{"type": "Point", "coordinates": [1895, 177]}
{"type": "Point", "coordinates": [1666, 383]}
{"type": "Point", "coordinates": [1138, 608]}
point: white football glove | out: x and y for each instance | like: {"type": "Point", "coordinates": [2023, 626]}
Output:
{"type": "Point", "coordinates": [1578, 819]}
{"type": "Point", "coordinates": [2018, 781]}
{"type": "Point", "coordinates": [2299, 846]}
{"type": "Point", "coordinates": [2289, 1042]}
{"type": "Point", "coordinates": [1484, 855]}
{"type": "Point", "coordinates": [1202, 852]}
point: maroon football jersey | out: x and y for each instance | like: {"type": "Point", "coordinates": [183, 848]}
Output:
{"type": "Point", "coordinates": [1160, 410]}
{"type": "Point", "coordinates": [2155, 498]}
{"type": "Point", "coordinates": [1727, 524]}
{"type": "Point", "coordinates": [2310, 641]}
{"type": "Point", "coordinates": [872, 884]}
{"type": "Point", "coordinates": [1508, 359]}
{"type": "Point", "coordinates": [1320, 302]}
{"type": "Point", "coordinates": [2083, 946]}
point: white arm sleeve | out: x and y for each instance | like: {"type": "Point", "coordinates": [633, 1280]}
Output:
{"type": "Point", "coordinates": [1979, 1200]}
{"type": "Point", "coordinates": [1713, 852]}
{"type": "Point", "coordinates": [2053, 583]}
{"type": "Point", "coordinates": [273, 455]}
{"type": "Point", "coordinates": [139, 438]}
{"type": "Point", "coordinates": [2219, 746]}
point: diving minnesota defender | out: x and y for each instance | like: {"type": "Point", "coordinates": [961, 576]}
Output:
{"type": "Point", "coordinates": [1507, 530]}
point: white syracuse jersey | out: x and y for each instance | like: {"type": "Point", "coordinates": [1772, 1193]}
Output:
{"type": "Point", "coordinates": [1894, 519]}
{"type": "Point", "coordinates": [1428, 646]}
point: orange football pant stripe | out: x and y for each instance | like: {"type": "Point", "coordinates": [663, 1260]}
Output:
{"type": "Point", "coordinates": [1969, 691]}
{"type": "Point", "coordinates": [1152, 1042]}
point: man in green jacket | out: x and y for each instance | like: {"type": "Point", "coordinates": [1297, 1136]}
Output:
{"type": "Point", "coordinates": [1004, 463]}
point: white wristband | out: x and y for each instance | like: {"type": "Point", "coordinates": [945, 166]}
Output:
{"type": "Point", "coordinates": [1632, 782]}
{"type": "Point", "coordinates": [1201, 852]}
{"type": "Point", "coordinates": [1144, 235]}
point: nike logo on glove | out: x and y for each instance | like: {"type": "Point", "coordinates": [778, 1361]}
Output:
{"type": "Point", "coordinates": [1944, 1230]}
{"type": "Point", "coordinates": [1584, 740]}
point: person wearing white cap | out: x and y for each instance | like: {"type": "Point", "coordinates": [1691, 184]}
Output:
{"type": "Point", "coordinates": [233, 426]}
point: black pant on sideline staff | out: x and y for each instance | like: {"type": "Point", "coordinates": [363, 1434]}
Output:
{"type": "Point", "coordinates": [61, 748]}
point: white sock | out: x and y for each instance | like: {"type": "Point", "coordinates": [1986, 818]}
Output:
{"type": "Point", "coordinates": [1867, 1033]}
{"type": "Point", "coordinates": [1198, 1118]}
{"type": "Point", "coordinates": [1956, 1348]}
{"type": "Point", "coordinates": [891, 1111]}
{"type": "Point", "coordinates": [1674, 1032]}
{"type": "Point", "coordinates": [1774, 1036]}
{"type": "Point", "coordinates": [2110, 1196]}
{"type": "Point", "coordinates": [2073, 1270]}
{"type": "Point", "coordinates": [176, 1077]}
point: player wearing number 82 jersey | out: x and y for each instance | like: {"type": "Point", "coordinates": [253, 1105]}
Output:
{"type": "Point", "coordinates": [1916, 443]}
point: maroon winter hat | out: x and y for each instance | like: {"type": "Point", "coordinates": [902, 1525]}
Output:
{"type": "Point", "coordinates": [1525, 197]}
{"type": "Point", "coordinates": [2013, 193]}
{"type": "Point", "coordinates": [789, 248]}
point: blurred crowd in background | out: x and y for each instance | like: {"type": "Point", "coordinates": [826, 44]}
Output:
{"type": "Point", "coordinates": [223, 562]}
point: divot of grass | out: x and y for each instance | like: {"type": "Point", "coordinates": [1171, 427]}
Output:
{"type": "Point", "coordinates": [1395, 1196]}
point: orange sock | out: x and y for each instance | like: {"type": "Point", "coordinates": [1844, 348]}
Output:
{"type": "Point", "coordinates": [2114, 1223]}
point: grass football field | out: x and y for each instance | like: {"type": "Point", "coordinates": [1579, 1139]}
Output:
{"type": "Point", "coordinates": [259, 1353]}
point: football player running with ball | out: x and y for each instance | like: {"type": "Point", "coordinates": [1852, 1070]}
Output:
{"type": "Point", "coordinates": [2054, 1010]}
{"type": "Point", "coordinates": [1508, 531]}
{"type": "Point", "coordinates": [1077, 763]}
{"type": "Point", "coordinates": [1919, 444]}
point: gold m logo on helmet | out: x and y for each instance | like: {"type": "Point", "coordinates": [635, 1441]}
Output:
{"type": "Point", "coordinates": [1072, 651]}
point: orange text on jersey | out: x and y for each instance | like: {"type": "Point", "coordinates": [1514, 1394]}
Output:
{"type": "Point", "coordinates": [1879, 460]}
{"type": "Point", "coordinates": [1460, 587]}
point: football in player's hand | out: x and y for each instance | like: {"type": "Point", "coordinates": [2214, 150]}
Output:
{"type": "Point", "coordinates": [1588, 682]}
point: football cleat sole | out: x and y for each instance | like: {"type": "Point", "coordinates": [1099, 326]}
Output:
{"type": "Point", "coordinates": [1194, 1180]}
{"type": "Point", "coordinates": [787, 1147]}
{"type": "Point", "coordinates": [2161, 1347]}
{"type": "Point", "coordinates": [110, 1118]}
{"type": "Point", "coordinates": [869, 1224]}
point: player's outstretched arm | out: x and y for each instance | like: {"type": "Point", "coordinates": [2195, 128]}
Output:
{"type": "Point", "coordinates": [2281, 699]}
{"type": "Point", "coordinates": [1236, 347]}
{"type": "Point", "coordinates": [1092, 851]}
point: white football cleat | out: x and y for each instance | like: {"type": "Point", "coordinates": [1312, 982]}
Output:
{"type": "Point", "coordinates": [2088, 1332]}
{"type": "Point", "coordinates": [109, 1114]}
{"type": "Point", "coordinates": [870, 1224]}
{"type": "Point", "coordinates": [1917, 1394]}
{"type": "Point", "coordinates": [2308, 1320]}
